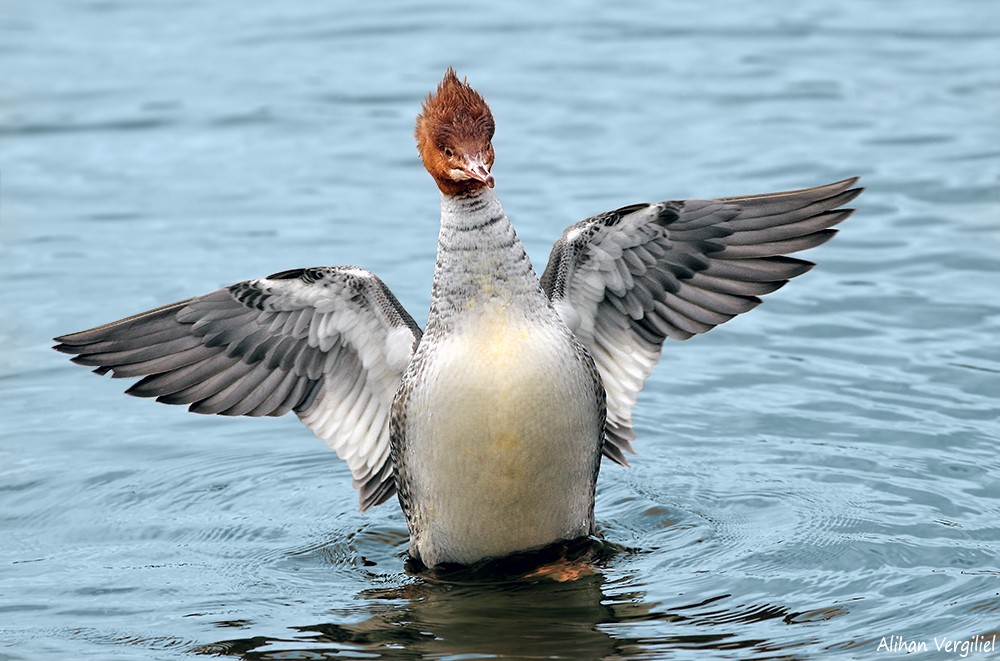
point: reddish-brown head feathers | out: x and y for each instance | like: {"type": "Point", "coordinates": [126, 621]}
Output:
{"type": "Point", "coordinates": [453, 134]}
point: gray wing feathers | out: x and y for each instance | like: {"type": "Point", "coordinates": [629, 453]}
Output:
{"type": "Point", "coordinates": [329, 343]}
{"type": "Point", "coordinates": [625, 280]}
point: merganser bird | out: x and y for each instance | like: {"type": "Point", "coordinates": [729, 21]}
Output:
{"type": "Point", "coordinates": [491, 424]}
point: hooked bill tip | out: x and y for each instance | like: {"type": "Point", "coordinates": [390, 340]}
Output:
{"type": "Point", "coordinates": [480, 173]}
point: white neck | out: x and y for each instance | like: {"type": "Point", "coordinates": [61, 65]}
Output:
{"type": "Point", "coordinates": [479, 258]}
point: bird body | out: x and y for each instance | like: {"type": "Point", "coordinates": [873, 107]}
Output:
{"type": "Point", "coordinates": [491, 424]}
{"type": "Point", "coordinates": [498, 424]}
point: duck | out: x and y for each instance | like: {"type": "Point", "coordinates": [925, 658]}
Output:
{"type": "Point", "coordinates": [490, 425]}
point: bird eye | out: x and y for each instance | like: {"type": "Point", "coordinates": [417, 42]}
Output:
{"type": "Point", "coordinates": [448, 152]}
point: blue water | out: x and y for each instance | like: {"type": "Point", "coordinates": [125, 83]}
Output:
{"type": "Point", "coordinates": [813, 477]}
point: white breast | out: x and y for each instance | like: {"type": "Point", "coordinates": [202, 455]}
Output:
{"type": "Point", "coordinates": [503, 438]}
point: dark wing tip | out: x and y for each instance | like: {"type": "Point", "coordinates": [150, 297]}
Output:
{"type": "Point", "coordinates": [76, 342]}
{"type": "Point", "coordinates": [852, 194]}
{"type": "Point", "coordinates": [816, 193]}
{"type": "Point", "coordinates": [613, 453]}
{"type": "Point", "coordinates": [84, 360]}
{"type": "Point", "coordinates": [378, 489]}
{"type": "Point", "coordinates": [846, 183]}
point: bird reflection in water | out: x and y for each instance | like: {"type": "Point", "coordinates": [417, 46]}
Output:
{"type": "Point", "coordinates": [557, 602]}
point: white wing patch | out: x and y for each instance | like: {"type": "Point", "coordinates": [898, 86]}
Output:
{"type": "Point", "coordinates": [626, 280]}
{"type": "Point", "coordinates": [329, 343]}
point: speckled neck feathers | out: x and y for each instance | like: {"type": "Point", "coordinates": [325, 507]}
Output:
{"type": "Point", "coordinates": [480, 258]}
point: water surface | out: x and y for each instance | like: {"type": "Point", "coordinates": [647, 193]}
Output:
{"type": "Point", "coordinates": [812, 477]}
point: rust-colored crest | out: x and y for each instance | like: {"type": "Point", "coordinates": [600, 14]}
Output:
{"type": "Point", "coordinates": [453, 135]}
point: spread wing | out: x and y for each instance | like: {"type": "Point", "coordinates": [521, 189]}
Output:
{"type": "Point", "coordinates": [625, 280]}
{"type": "Point", "coordinates": [329, 343]}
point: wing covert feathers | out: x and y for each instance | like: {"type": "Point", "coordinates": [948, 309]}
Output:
{"type": "Point", "coordinates": [330, 344]}
{"type": "Point", "coordinates": [626, 280]}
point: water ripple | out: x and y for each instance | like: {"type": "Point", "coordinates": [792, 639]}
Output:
{"type": "Point", "coordinates": [811, 477]}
